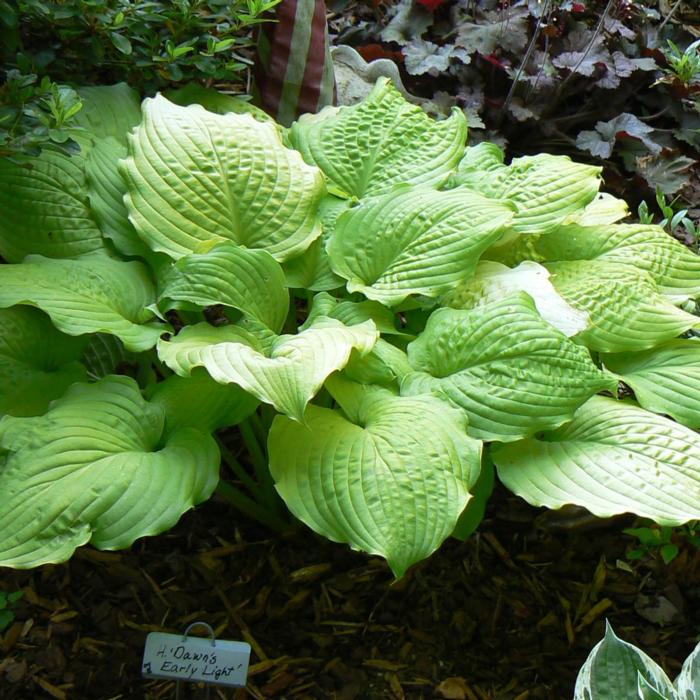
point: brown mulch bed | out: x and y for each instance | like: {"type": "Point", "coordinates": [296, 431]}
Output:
{"type": "Point", "coordinates": [509, 615]}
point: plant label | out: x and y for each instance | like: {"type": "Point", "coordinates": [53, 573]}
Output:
{"type": "Point", "coordinates": [195, 659]}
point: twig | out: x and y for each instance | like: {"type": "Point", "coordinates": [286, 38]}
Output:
{"type": "Point", "coordinates": [526, 59]}
{"type": "Point", "coordinates": [596, 33]}
{"type": "Point", "coordinates": [668, 16]}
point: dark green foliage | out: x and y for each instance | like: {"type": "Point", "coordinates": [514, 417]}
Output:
{"type": "Point", "coordinates": [150, 45]}
{"type": "Point", "coordinates": [147, 44]}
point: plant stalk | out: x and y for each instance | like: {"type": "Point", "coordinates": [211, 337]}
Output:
{"type": "Point", "coordinates": [262, 470]}
{"type": "Point", "coordinates": [250, 508]}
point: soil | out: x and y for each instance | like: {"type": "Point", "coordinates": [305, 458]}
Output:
{"type": "Point", "coordinates": [511, 614]}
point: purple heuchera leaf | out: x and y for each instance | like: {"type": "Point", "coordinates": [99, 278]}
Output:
{"type": "Point", "coordinates": [601, 141]}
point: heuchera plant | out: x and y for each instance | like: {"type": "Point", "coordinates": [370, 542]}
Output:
{"type": "Point", "coordinates": [386, 312]}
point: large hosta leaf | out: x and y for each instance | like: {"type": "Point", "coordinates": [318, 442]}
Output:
{"type": "Point", "coordinates": [251, 281]}
{"type": "Point", "coordinates": [199, 402]}
{"type": "Point", "coordinates": [312, 269]}
{"type": "Point", "coordinates": [415, 240]}
{"type": "Point", "coordinates": [106, 190]}
{"type": "Point", "coordinates": [614, 457]}
{"type": "Point", "coordinates": [492, 281]}
{"type": "Point", "coordinates": [215, 101]}
{"type": "Point", "coordinates": [37, 362]}
{"type": "Point", "coordinates": [626, 310]}
{"type": "Point", "coordinates": [649, 248]}
{"type": "Point", "coordinates": [511, 372]}
{"type": "Point", "coordinates": [389, 477]}
{"type": "Point", "coordinates": [615, 669]}
{"type": "Point", "coordinates": [484, 157]}
{"type": "Point", "coordinates": [546, 189]}
{"type": "Point", "coordinates": [91, 295]}
{"type": "Point", "coordinates": [95, 469]}
{"type": "Point", "coordinates": [352, 313]}
{"type": "Point", "coordinates": [604, 210]}
{"type": "Point", "coordinates": [368, 148]}
{"type": "Point", "coordinates": [196, 178]}
{"type": "Point", "coordinates": [109, 111]}
{"type": "Point", "coordinates": [665, 379]}
{"type": "Point", "coordinates": [45, 208]}
{"type": "Point", "coordinates": [285, 371]}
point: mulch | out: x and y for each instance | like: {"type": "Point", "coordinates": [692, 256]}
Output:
{"type": "Point", "coordinates": [511, 614]}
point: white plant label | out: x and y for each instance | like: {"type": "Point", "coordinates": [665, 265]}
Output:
{"type": "Point", "coordinates": [195, 659]}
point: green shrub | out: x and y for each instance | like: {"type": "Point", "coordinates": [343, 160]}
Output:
{"type": "Point", "coordinates": [150, 45]}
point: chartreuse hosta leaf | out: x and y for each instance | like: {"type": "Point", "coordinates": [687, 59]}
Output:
{"type": "Point", "coordinates": [109, 111]}
{"type": "Point", "coordinates": [368, 148]}
{"type": "Point", "coordinates": [106, 190]}
{"type": "Point", "coordinates": [492, 281]}
{"type": "Point", "coordinates": [91, 295]}
{"type": "Point", "coordinates": [352, 312]}
{"type": "Point", "coordinates": [511, 372]}
{"type": "Point", "coordinates": [484, 157]}
{"type": "Point", "coordinates": [602, 211]}
{"type": "Point", "coordinates": [665, 379]}
{"type": "Point", "coordinates": [285, 371]}
{"type": "Point", "coordinates": [197, 401]}
{"type": "Point", "coordinates": [312, 269]}
{"type": "Point", "coordinates": [546, 189]}
{"type": "Point", "coordinates": [612, 672]}
{"type": "Point", "coordinates": [37, 362]}
{"type": "Point", "coordinates": [415, 240]}
{"type": "Point", "coordinates": [96, 468]}
{"type": "Point", "coordinates": [251, 281]}
{"type": "Point", "coordinates": [673, 267]}
{"type": "Point", "coordinates": [614, 457]}
{"type": "Point", "coordinates": [217, 102]}
{"type": "Point", "coordinates": [390, 475]}
{"type": "Point", "coordinates": [196, 179]}
{"type": "Point", "coordinates": [45, 208]}
{"type": "Point", "coordinates": [104, 354]}
{"type": "Point", "coordinates": [626, 310]}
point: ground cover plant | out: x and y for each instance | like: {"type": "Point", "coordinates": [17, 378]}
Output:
{"type": "Point", "coordinates": [384, 312]}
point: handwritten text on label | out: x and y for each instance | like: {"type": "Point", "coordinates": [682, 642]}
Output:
{"type": "Point", "coordinates": [195, 659]}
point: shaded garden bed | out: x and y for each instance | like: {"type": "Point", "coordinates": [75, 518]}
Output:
{"type": "Point", "coordinates": [511, 613]}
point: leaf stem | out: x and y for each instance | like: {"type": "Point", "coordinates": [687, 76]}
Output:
{"type": "Point", "coordinates": [239, 470]}
{"type": "Point", "coordinates": [668, 16]}
{"type": "Point", "coordinates": [259, 460]}
{"type": "Point", "coordinates": [250, 508]}
{"type": "Point", "coordinates": [526, 59]}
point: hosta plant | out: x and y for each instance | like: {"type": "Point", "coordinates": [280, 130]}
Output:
{"type": "Point", "coordinates": [387, 315]}
{"type": "Point", "coordinates": [618, 670]}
